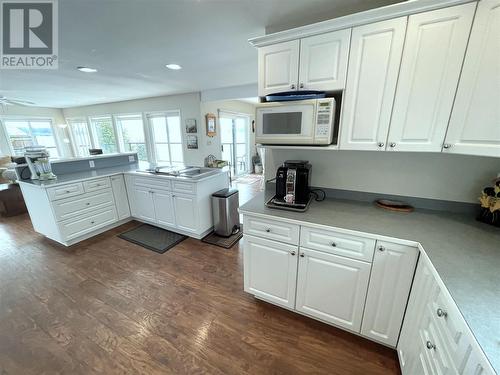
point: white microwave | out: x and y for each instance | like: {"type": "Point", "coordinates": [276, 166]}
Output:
{"type": "Point", "coordinates": [305, 122]}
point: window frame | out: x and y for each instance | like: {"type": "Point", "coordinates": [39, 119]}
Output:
{"type": "Point", "coordinates": [166, 114]}
{"type": "Point", "coordinates": [119, 133]}
{"type": "Point", "coordinates": [93, 134]}
{"type": "Point", "coordinates": [72, 137]}
{"type": "Point", "coordinates": [29, 119]}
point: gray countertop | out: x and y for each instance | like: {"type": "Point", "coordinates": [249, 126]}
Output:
{"type": "Point", "coordinates": [106, 172]}
{"type": "Point", "coordinates": [465, 253]}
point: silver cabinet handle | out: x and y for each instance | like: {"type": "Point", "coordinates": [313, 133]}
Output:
{"type": "Point", "coordinates": [430, 345]}
{"type": "Point", "coordinates": [441, 313]}
{"type": "Point", "coordinates": [268, 230]}
{"type": "Point", "coordinates": [68, 191]}
{"type": "Point", "coordinates": [292, 253]}
{"type": "Point", "coordinates": [446, 146]}
{"type": "Point", "coordinates": [302, 255]}
{"type": "Point", "coordinates": [381, 144]}
{"type": "Point", "coordinates": [333, 244]}
{"type": "Point", "coordinates": [301, 86]}
{"type": "Point", "coordinates": [381, 248]}
{"type": "Point", "coordinates": [292, 86]}
{"type": "Point", "coordinates": [392, 144]}
{"type": "Point", "coordinates": [92, 222]}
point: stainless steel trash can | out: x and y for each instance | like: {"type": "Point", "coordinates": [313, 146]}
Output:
{"type": "Point", "coordinates": [225, 212]}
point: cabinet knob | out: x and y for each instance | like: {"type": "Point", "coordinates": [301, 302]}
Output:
{"type": "Point", "coordinates": [333, 244]}
{"type": "Point", "coordinates": [292, 253]}
{"type": "Point", "coordinates": [441, 313]}
{"type": "Point", "coordinates": [446, 146]}
{"type": "Point", "coordinates": [381, 144]}
{"type": "Point", "coordinates": [381, 248]}
{"type": "Point", "coordinates": [268, 230]}
{"type": "Point", "coordinates": [392, 144]}
{"type": "Point", "coordinates": [301, 86]}
{"type": "Point", "coordinates": [430, 345]}
{"type": "Point", "coordinates": [92, 222]}
{"type": "Point", "coordinates": [88, 203]}
{"type": "Point", "coordinates": [292, 86]}
{"type": "Point", "coordinates": [302, 255]}
{"type": "Point", "coordinates": [68, 191]}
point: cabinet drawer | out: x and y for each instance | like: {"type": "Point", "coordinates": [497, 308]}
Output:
{"type": "Point", "coordinates": [338, 243]}
{"type": "Point", "coordinates": [82, 204]}
{"type": "Point", "coordinates": [157, 183]}
{"type": "Point", "coordinates": [64, 191]}
{"type": "Point", "coordinates": [272, 229]}
{"type": "Point", "coordinates": [184, 187]}
{"type": "Point", "coordinates": [78, 226]}
{"type": "Point", "coordinates": [97, 184]}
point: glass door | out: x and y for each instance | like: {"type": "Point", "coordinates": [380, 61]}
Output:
{"type": "Point", "coordinates": [234, 142]}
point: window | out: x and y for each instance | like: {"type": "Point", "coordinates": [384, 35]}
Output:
{"type": "Point", "coordinates": [131, 135]}
{"type": "Point", "coordinates": [29, 132]}
{"type": "Point", "coordinates": [104, 134]}
{"type": "Point", "coordinates": [80, 135]}
{"type": "Point", "coordinates": [167, 137]}
{"type": "Point", "coordinates": [234, 141]}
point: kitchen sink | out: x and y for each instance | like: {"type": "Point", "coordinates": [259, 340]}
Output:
{"type": "Point", "coordinates": [187, 172]}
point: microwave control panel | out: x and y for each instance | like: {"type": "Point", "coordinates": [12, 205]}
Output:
{"type": "Point", "coordinates": [324, 119]}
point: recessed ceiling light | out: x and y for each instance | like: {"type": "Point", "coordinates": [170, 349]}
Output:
{"type": "Point", "coordinates": [86, 69]}
{"type": "Point", "coordinates": [173, 66]}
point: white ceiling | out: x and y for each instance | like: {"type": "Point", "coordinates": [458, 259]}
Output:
{"type": "Point", "coordinates": [130, 41]}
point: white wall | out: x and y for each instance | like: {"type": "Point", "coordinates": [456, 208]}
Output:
{"type": "Point", "coordinates": [19, 111]}
{"type": "Point", "coordinates": [427, 175]}
{"type": "Point", "coordinates": [188, 104]}
{"type": "Point", "coordinates": [213, 145]}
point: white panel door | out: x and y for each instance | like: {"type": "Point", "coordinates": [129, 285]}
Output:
{"type": "Point", "coordinates": [120, 195]}
{"type": "Point", "coordinates": [332, 288]}
{"type": "Point", "coordinates": [185, 209]}
{"type": "Point", "coordinates": [323, 61]}
{"type": "Point", "coordinates": [164, 208]}
{"type": "Point", "coordinates": [374, 62]}
{"type": "Point", "coordinates": [270, 270]}
{"type": "Point", "coordinates": [430, 68]}
{"type": "Point", "coordinates": [390, 283]}
{"type": "Point", "coordinates": [278, 67]}
{"type": "Point", "coordinates": [143, 207]}
{"type": "Point", "coordinates": [475, 120]}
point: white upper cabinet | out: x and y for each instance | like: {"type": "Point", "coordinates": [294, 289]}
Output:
{"type": "Point", "coordinates": [323, 61]}
{"type": "Point", "coordinates": [374, 62]}
{"type": "Point", "coordinates": [278, 67]}
{"type": "Point", "coordinates": [430, 68]}
{"type": "Point", "coordinates": [390, 283]}
{"type": "Point", "coordinates": [475, 120]}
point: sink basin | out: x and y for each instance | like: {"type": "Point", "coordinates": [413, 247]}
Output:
{"type": "Point", "coordinates": [187, 172]}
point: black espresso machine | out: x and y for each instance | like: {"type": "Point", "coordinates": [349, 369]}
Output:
{"type": "Point", "coordinates": [293, 181]}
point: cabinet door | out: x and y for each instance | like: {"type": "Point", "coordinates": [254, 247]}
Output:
{"type": "Point", "coordinates": [432, 58]}
{"type": "Point", "coordinates": [120, 195]}
{"type": "Point", "coordinates": [390, 283]}
{"type": "Point", "coordinates": [323, 61]}
{"type": "Point", "coordinates": [185, 212]}
{"type": "Point", "coordinates": [164, 208]}
{"type": "Point", "coordinates": [278, 67]}
{"type": "Point", "coordinates": [374, 62]}
{"type": "Point", "coordinates": [270, 270]}
{"type": "Point", "coordinates": [332, 288]}
{"type": "Point", "coordinates": [475, 121]}
{"type": "Point", "coordinates": [143, 207]}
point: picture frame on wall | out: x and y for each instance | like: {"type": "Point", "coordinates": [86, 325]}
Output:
{"type": "Point", "coordinates": [192, 142]}
{"type": "Point", "coordinates": [211, 120]}
{"type": "Point", "coordinates": [191, 126]}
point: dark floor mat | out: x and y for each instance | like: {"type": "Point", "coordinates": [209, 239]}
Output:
{"type": "Point", "coordinates": [225, 242]}
{"type": "Point", "coordinates": [152, 238]}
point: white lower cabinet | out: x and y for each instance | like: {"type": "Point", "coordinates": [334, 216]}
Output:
{"type": "Point", "coordinates": [332, 288]}
{"type": "Point", "coordinates": [163, 207]}
{"type": "Point", "coordinates": [143, 204]}
{"type": "Point", "coordinates": [435, 339]}
{"type": "Point", "coordinates": [390, 283]}
{"type": "Point", "coordinates": [120, 195]}
{"type": "Point", "coordinates": [270, 270]}
{"type": "Point", "coordinates": [185, 212]}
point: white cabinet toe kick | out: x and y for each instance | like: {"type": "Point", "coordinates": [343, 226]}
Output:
{"type": "Point", "coordinates": [72, 212]}
{"type": "Point", "coordinates": [361, 283]}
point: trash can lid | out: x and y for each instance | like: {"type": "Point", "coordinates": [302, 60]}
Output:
{"type": "Point", "coordinates": [224, 193]}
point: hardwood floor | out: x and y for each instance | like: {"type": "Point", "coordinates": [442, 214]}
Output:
{"type": "Point", "coordinates": [107, 306]}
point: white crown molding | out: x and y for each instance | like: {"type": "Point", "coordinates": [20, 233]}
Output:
{"type": "Point", "coordinates": [356, 19]}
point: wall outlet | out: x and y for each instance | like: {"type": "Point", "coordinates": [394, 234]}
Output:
{"type": "Point", "coordinates": [131, 158]}
{"type": "Point", "coordinates": [91, 164]}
